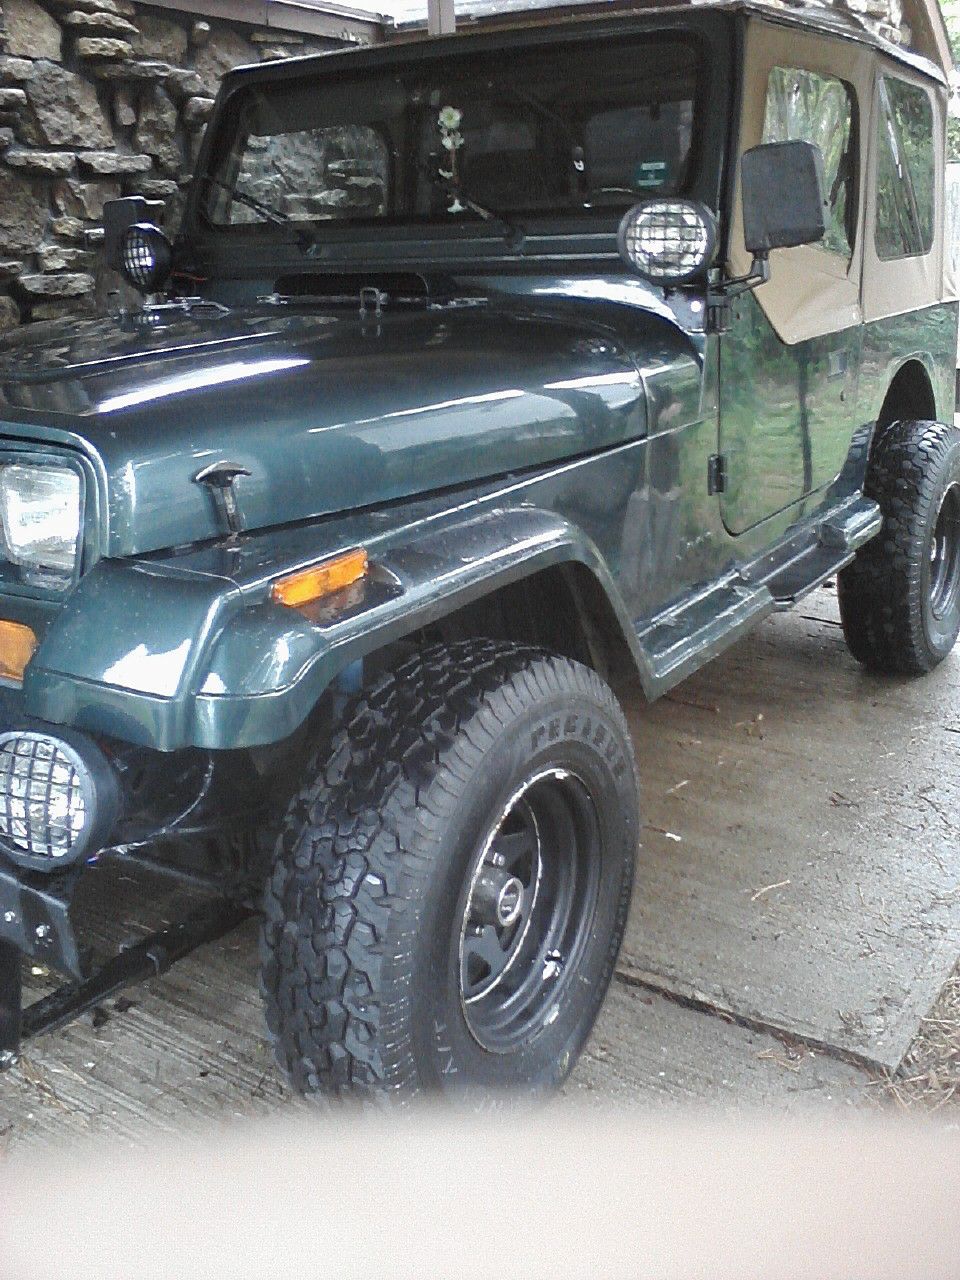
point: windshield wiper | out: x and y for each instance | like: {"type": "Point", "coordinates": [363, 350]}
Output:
{"type": "Point", "coordinates": [307, 238]}
{"type": "Point", "coordinates": [513, 232]}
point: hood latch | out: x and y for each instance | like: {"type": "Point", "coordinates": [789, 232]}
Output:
{"type": "Point", "coordinates": [220, 478]}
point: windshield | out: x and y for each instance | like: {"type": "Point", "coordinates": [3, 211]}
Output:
{"type": "Point", "coordinates": [558, 130]}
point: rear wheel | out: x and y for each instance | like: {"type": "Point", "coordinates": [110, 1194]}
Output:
{"type": "Point", "coordinates": [900, 598]}
{"type": "Point", "coordinates": [451, 887]}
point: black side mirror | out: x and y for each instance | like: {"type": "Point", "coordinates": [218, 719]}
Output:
{"type": "Point", "coordinates": [783, 196]}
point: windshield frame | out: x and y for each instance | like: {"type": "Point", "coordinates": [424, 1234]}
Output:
{"type": "Point", "coordinates": [577, 234]}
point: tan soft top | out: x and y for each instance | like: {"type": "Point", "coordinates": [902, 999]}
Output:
{"type": "Point", "coordinates": [813, 291]}
{"type": "Point", "coordinates": [905, 29]}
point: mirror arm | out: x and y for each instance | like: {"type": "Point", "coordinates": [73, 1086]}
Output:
{"type": "Point", "coordinates": [721, 294]}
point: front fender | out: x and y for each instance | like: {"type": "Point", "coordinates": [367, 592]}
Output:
{"type": "Point", "coordinates": [266, 675]}
{"type": "Point", "coordinates": [191, 651]}
{"type": "Point", "coordinates": [126, 652]}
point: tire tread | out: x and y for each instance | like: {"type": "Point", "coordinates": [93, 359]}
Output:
{"type": "Point", "coordinates": [365, 818]}
{"type": "Point", "coordinates": [880, 592]}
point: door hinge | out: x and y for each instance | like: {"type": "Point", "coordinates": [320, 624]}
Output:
{"type": "Point", "coordinates": [716, 474]}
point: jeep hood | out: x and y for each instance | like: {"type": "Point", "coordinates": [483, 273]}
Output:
{"type": "Point", "coordinates": [327, 412]}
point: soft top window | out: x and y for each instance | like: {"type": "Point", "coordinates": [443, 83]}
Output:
{"type": "Point", "coordinates": [803, 106]}
{"type": "Point", "coordinates": [571, 130]}
{"type": "Point", "coordinates": [905, 171]}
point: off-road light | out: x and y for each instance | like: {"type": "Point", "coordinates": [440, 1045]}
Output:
{"type": "Point", "coordinates": [145, 256]}
{"type": "Point", "coordinates": [668, 241]}
{"type": "Point", "coordinates": [59, 798]}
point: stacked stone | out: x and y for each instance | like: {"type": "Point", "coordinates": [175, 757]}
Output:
{"type": "Point", "coordinates": [98, 98]}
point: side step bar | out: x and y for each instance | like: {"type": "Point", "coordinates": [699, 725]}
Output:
{"type": "Point", "coordinates": [834, 546]}
{"type": "Point", "coordinates": [681, 640]}
{"type": "Point", "coordinates": [685, 636]}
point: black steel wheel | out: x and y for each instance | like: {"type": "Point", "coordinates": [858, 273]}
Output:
{"type": "Point", "coordinates": [451, 887]}
{"type": "Point", "coordinates": [900, 598]}
{"type": "Point", "coordinates": [944, 587]}
{"type": "Point", "coordinates": [528, 907]}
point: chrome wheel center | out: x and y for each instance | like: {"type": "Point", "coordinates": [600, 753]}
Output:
{"type": "Point", "coordinates": [509, 903]}
{"type": "Point", "coordinates": [497, 898]}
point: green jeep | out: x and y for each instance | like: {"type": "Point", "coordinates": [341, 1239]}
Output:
{"type": "Point", "coordinates": [481, 370]}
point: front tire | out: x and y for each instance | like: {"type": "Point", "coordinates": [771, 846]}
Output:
{"type": "Point", "coordinates": [900, 597]}
{"type": "Point", "coordinates": [451, 887]}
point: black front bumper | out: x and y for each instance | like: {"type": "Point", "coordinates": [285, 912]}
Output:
{"type": "Point", "coordinates": [35, 918]}
{"type": "Point", "coordinates": [36, 925]}
{"type": "Point", "coordinates": [218, 797]}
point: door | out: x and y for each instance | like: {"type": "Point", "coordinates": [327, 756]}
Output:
{"type": "Point", "coordinates": [787, 401]}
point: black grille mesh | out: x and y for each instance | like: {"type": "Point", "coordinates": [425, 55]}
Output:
{"type": "Point", "coordinates": [666, 238]}
{"type": "Point", "coordinates": [42, 808]}
{"type": "Point", "coordinates": [139, 256]}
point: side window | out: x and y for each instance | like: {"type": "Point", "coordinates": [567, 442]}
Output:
{"type": "Point", "coordinates": [805, 107]}
{"type": "Point", "coordinates": [905, 171]}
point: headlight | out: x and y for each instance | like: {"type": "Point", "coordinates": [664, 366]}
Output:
{"type": "Point", "coordinates": [40, 520]}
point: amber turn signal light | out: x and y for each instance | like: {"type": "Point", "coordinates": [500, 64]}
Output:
{"type": "Point", "coordinates": [17, 645]}
{"type": "Point", "coordinates": [308, 585]}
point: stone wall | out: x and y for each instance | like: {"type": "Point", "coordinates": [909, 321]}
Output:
{"type": "Point", "coordinates": [100, 98]}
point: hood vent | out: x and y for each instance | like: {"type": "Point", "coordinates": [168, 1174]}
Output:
{"type": "Point", "coordinates": [396, 288]}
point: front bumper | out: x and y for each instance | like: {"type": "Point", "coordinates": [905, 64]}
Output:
{"type": "Point", "coordinates": [44, 932]}
{"type": "Point", "coordinates": [140, 801]}
{"type": "Point", "coordinates": [35, 925]}
{"type": "Point", "coordinates": [35, 918]}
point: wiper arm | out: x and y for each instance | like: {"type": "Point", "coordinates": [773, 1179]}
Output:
{"type": "Point", "coordinates": [307, 238]}
{"type": "Point", "coordinates": [513, 232]}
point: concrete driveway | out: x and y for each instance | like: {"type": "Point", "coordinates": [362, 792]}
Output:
{"type": "Point", "coordinates": [797, 911]}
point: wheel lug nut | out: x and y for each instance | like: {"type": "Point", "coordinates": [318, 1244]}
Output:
{"type": "Point", "coordinates": [497, 860]}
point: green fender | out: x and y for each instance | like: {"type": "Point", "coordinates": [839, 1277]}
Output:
{"type": "Point", "coordinates": [191, 651]}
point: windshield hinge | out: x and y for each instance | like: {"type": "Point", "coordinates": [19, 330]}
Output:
{"type": "Point", "coordinates": [722, 293]}
{"type": "Point", "coordinates": [716, 474]}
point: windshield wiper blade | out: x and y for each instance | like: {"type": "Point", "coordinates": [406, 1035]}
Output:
{"type": "Point", "coordinates": [307, 238]}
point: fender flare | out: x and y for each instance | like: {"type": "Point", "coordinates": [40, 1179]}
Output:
{"type": "Point", "coordinates": [237, 670]}
{"type": "Point", "coordinates": [415, 581]}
